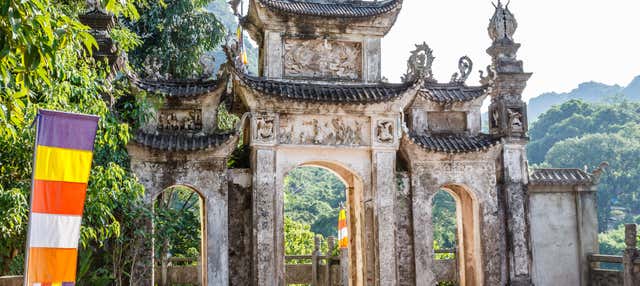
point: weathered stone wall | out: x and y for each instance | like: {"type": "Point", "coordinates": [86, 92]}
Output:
{"type": "Point", "coordinates": [240, 227]}
{"type": "Point", "coordinates": [563, 233]}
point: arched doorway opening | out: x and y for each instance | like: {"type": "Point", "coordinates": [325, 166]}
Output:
{"type": "Point", "coordinates": [314, 192]}
{"type": "Point", "coordinates": [456, 227]}
{"type": "Point", "coordinates": [178, 236]}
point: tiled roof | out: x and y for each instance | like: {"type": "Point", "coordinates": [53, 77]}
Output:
{"type": "Point", "coordinates": [324, 92]}
{"type": "Point", "coordinates": [454, 143]}
{"type": "Point", "coordinates": [560, 177]}
{"type": "Point", "coordinates": [346, 9]}
{"type": "Point", "coordinates": [452, 92]}
{"type": "Point", "coordinates": [180, 142]}
{"type": "Point", "coordinates": [178, 88]}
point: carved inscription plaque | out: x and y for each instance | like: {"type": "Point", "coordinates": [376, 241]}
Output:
{"type": "Point", "coordinates": [452, 121]}
{"type": "Point", "coordinates": [323, 130]}
{"type": "Point", "coordinates": [322, 59]}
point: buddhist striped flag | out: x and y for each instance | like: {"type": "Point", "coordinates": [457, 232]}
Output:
{"type": "Point", "coordinates": [62, 162]}
{"type": "Point", "coordinates": [343, 235]}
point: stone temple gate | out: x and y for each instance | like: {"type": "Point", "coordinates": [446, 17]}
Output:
{"type": "Point", "coordinates": [320, 100]}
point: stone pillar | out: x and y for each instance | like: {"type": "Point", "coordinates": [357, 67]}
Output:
{"type": "Point", "coordinates": [273, 55]}
{"type": "Point", "coordinates": [267, 269]}
{"type": "Point", "coordinates": [422, 230]}
{"type": "Point", "coordinates": [631, 253]}
{"type": "Point", "coordinates": [519, 240]}
{"type": "Point", "coordinates": [371, 70]}
{"type": "Point", "coordinates": [587, 221]}
{"type": "Point", "coordinates": [508, 120]}
{"type": "Point", "coordinates": [215, 188]}
{"type": "Point", "coordinates": [385, 194]}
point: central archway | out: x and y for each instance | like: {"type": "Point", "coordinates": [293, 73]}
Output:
{"type": "Point", "coordinates": [353, 189]}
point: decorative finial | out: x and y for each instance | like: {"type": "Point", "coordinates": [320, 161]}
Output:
{"type": "Point", "coordinates": [597, 173]}
{"type": "Point", "coordinates": [503, 24]}
{"type": "Point", "coordinates": [465, 65]}
{"type": "Point", "coordinates": [419, 64]}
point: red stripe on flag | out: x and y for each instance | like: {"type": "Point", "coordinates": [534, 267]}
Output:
{"type": "Point", "coordinates": [54, 197]}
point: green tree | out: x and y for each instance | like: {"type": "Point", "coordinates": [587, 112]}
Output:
{"type": "Point", "coordinates": [175, 35]}
{"type": "Point", "coordinates": [313, 196]}
{"type": "Point", "coordinates": [444, 220]}
{"type": "Point", "coordinates": [46, 63]}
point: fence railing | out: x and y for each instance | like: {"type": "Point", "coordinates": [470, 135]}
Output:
{"type": "Point", "coordinates": [179, 270]}
{"type": "Point", "coordinates": [622, 270]}
{"type": "Point", "coordinates": [315, 269]}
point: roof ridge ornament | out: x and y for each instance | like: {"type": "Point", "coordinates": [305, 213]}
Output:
{"type": "Point", "coordinates": [465, 66]}
{"type": "Point", "coordinates": [419, 65]}
{"type": "Point", "coordinates": [503, 24]}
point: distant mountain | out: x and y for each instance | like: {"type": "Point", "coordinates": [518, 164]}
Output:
{"type": "Point", "coordinates": [592, 92]}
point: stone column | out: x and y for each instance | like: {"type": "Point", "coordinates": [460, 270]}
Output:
{"type": "Point", "coordinates": [508, 120]}
{"type": "Point", "coordinates": [519, 241]}
{"type": "Point", "coordinates": [422, 230]}
{"type": "Point", "coordinates": [273, 54]}
{"type": "Point", "coordinates": [371, 71]}
{"type": "Point", "coordinates": [267, 269]}
{"type": "Point", "coordinates": [385, 191]}
{"type": "Point", "coordinates": [215, 188]}
{"type": "Point", "coordinates": [587, 220]}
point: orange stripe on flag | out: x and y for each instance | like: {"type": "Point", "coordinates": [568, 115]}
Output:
{"type": "Point", "coordinates": [52, 264]}
{"type": "Point", "coordinates": [55, 197]}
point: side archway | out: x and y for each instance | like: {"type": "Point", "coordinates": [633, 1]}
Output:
{"type": "Point", "coordinates": [467, 236]}
{"type": "Point", "coordinates": [179, 235]}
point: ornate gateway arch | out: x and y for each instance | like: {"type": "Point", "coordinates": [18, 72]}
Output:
{"type": "Point", "coordinates": [320, 100]}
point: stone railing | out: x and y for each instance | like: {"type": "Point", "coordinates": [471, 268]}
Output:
{"type": "Point", "coordinates": [629, 263]}
{"type": "Point", "coordinates": [315, 269]}
{"type": "Point", "coordinates": [180, 271]}
{"type": "Point", "coordinates": [446, 270]}
{"type": "Point", "coordinates": [11, 281]}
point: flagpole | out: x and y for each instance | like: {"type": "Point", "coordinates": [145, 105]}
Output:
{"type": "Point", "coordinates": [33, 168]}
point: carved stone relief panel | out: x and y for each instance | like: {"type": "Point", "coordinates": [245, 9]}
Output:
{"type": "Point", "coordinates": [385, 129]}
{"type": "Point", "coordinates": [186, 119]}
{"type": "Point", "coordinates": [323, 130]}
{"type": "Point", "coordinates": [516, 123]}
{"type": "Point", "coordinates": [327, 59]}
{"type": "Point", "coordinates": [451, 121]}
{"type": "Point", "coordinates": [265, 128]}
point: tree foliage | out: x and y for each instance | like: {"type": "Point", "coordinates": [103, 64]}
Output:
{"type": "Point", "coordinates": [313, 196]}
{"type": "Point", "coordinates": [175, 35]}
{"type": "Point", "coordinates": [46, 63]}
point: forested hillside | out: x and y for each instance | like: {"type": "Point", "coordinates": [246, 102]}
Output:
{"type": "Point", "coordinates": [592, 92]}
{"type": "Point", "coordinates": [577, 134]}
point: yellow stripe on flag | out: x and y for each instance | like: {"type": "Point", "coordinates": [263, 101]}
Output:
{"type": "Point", "coordinates": [61, 164]}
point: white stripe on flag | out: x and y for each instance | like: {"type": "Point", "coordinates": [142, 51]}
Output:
{"type": "Point", "coordinates": [343, 233]}
{"type": "Point", "coordinates": [55, 231]}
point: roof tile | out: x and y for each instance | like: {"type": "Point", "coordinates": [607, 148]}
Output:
{"type": "Point", "coordinates": [556, 176]}
{"type": "Point", "coordinates": [346, 9]}
{"type": "Point", "coordinates": [326, 92]}
{"type": "Point", "coordinates": [180, 142]}
{"type": "Point", "coordinates": [454, 143]}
